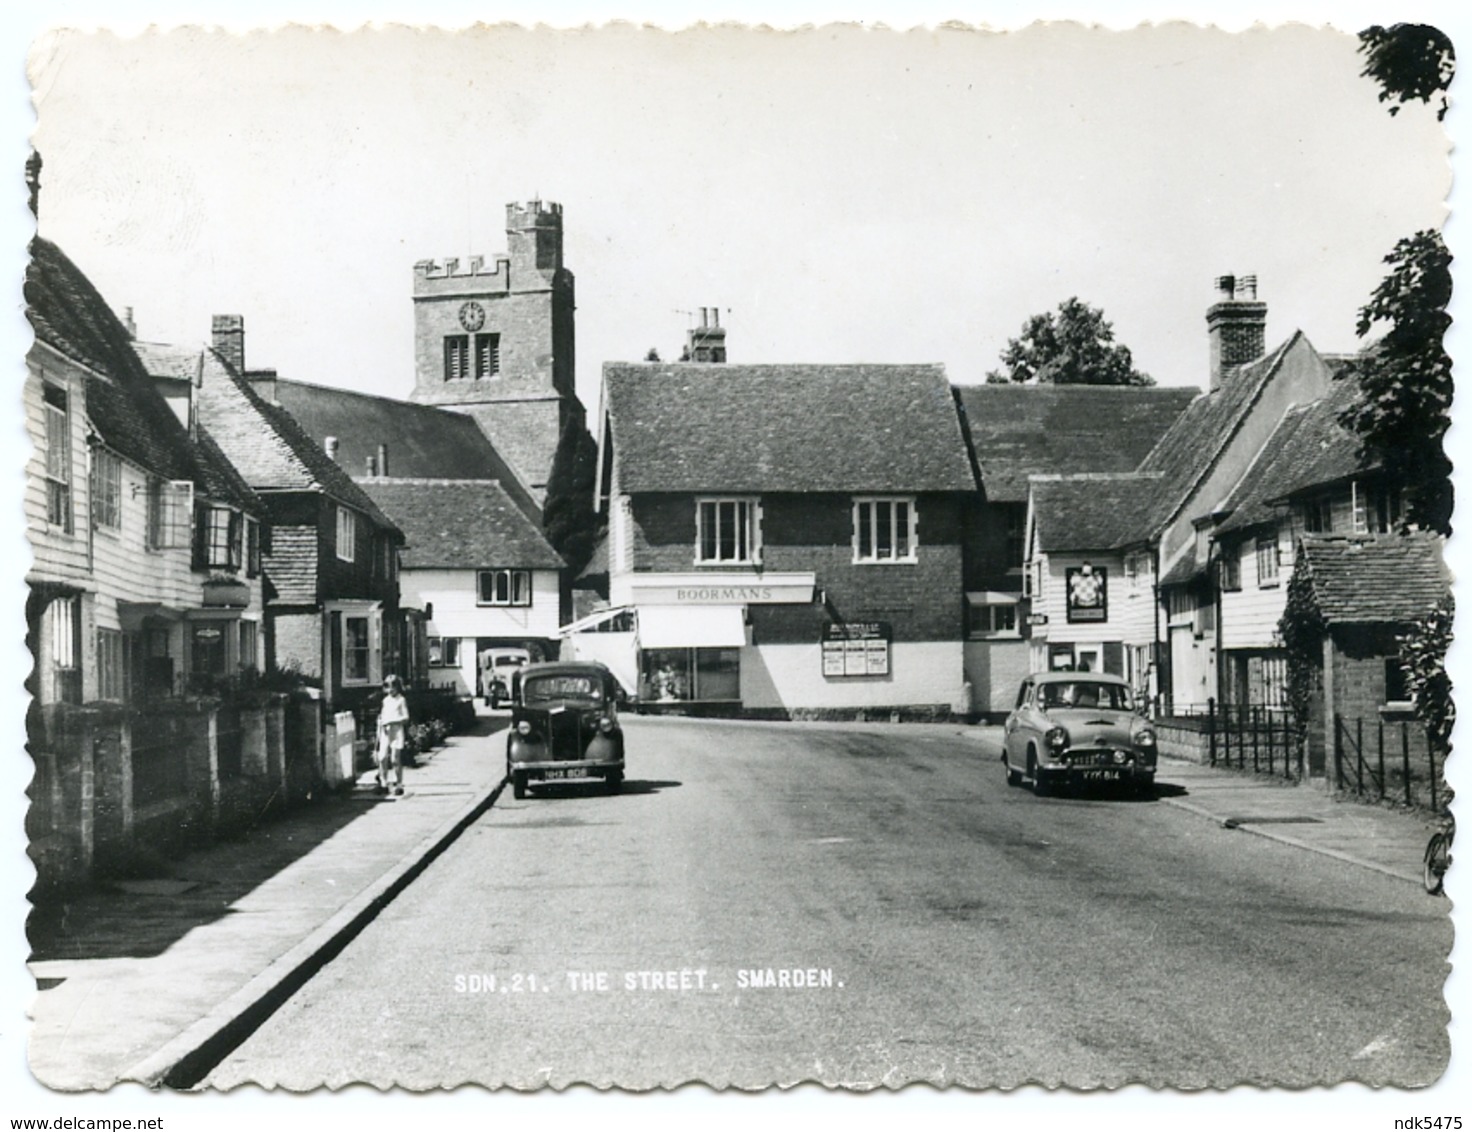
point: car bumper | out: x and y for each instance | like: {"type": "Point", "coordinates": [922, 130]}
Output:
{"type": "Point", "coordinates": [1095, 771]}
{"type": "Point", "coordinates": [573, 769]}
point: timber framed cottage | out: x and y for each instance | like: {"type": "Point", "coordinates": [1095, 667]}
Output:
{"type": "Point", "coordinates": [331, 567]}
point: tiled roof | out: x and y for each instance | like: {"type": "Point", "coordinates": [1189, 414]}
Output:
{"type": "Point", "coordinates": [1099, 511]}
{"type": "Point", "coordinates": [1023, 430]}
{"type": "Point", "coordinates": [128, 412]}
{"type": "Point", "coordinates": [1386, 580]}
{"type": "Point", "coordinates": [462, 524]}
{"type": "Point", "coordinates": [737, 428]}
{"type": "Point", "coordinates": [264, 441]}
{"type": "Point", "coordinates": [1308, 449]}
{"type": "Point", "coordinates": [1184, 568]}
{"type": "Point", "coordinates": [422, 441]}
{"type": "Point", "coordinates": [1191, 445]}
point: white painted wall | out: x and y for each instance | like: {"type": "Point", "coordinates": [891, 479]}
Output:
{"type": "Point", "coordinates": [791, 676]}
{"type": "Point", "coordinates": [456, 614]}
{"type": "Point", "coordinates": [1250, 615]}
{"type": "Point", "coordinates": [995, 668]}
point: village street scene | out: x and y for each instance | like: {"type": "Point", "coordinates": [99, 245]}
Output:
{"type": "Point", "coordinates": [563, 677]}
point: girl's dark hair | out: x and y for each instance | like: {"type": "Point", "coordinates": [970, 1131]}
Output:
{"type": "Point", "coordinates": [391, 683]}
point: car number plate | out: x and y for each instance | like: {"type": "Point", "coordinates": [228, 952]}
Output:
{"type": "Point", "coordinates": [1109, 775]}
{"type": "Point", "coordinates": [568, 772]}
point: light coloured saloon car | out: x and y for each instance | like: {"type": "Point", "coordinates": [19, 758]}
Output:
{"type": "Point", "coordinates": [1078, 729]}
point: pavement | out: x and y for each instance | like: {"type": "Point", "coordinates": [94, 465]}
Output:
{"type": "Point", "coordinates": [155, 979]}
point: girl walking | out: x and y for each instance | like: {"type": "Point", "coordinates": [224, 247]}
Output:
{"type": "Point", "coordinates": [393, 729]}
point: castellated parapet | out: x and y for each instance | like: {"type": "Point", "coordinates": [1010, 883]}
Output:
{"type": "Point", "coordinates": [451, 277]}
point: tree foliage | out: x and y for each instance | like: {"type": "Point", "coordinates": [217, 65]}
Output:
{"type": "Point", "coordinates": [1411, 62]}
{"type": "Point", "coordinates": [1423, 650]}
{"type": "Point", "coordinates": [1405, 379]}
{"type": "Point", "coordinates": [569, 518]}
{"type": "Point", "coordinates": [1075, 346]}
{"type": "Point", "coordinates": [1302, 628]}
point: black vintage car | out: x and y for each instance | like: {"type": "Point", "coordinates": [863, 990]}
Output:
{"type": "Point", "coordinates": [564, 726]}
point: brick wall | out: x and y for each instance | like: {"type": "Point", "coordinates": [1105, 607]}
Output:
{"type": "Point", "coordinates": [814, 532]}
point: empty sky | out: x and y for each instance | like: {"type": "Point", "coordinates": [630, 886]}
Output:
{"type": "Point", "coordinates": [843, 195]}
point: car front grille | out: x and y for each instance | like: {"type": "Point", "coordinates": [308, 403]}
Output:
{"type": "Point", "coordinates": [565, 731]}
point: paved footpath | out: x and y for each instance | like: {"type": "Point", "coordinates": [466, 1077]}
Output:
{"type": "Point", "coordinates": [153, 980]}
{"type": "Point", "coordinates": [143, 980]}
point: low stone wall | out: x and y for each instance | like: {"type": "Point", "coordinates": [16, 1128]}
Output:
{"type": "Point", "coordinates": [1183, 737]}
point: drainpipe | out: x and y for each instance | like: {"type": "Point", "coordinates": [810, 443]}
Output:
{"type": "Point", "coordinates": [1155, 644]}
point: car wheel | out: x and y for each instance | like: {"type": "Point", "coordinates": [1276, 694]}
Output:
{"type": "Point", "coordinates": [1145, 789]}
{"type": "Point", "coordinates": [1014, 777]}
{"type": "Point", "coordinates": [615, 781]}
{"type": "Point", "coordinates": [1039, 783]}
{"type": "Point", "coordinates": [518, 784]}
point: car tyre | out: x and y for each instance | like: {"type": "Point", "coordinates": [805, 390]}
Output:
{"type": "Point", "coordinates": [1039, 782]}
{"type": "Point", "coordinates": [1145, 789]}
{"type": "Point", "coordinates": [615, 781]}
{"type": "Point", "coordinates": [1014, 777]}
{"type": "Point", "coordinates": [518, 784]}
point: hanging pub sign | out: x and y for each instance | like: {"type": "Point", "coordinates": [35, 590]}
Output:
{"type": "Point", "coordinates": [1088, 593]}
{"type": "Point", "coordinates": [856, 648]}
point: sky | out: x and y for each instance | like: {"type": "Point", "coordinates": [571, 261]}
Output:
{"type": "Point", "coordinates": [840, 196]}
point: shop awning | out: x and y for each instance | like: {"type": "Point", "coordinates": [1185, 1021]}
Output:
{"type": "Point", "coordinates": [691, 626]}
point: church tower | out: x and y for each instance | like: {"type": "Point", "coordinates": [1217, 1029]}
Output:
{"type": "Point", "coordinates": [497, 342]}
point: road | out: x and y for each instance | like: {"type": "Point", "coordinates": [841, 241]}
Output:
{"type": "Point", "coordinates": [956, 931]}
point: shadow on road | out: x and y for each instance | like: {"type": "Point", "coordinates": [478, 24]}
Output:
{"type": "Point", "coordinates": [595, 786]}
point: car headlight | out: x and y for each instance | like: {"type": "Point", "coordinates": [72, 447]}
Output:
{"type": "Point", "coordinates": [605, 725]}
{"type": "Point", "coordinates": [1144, 737]}
{"type": "Point", "coordinates": [1057, 738]}
{"type": "Point", "coordinates": [523, 728]}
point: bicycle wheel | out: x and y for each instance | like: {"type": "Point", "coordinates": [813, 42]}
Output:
{"type": "Point", "coordinates": [1438, 857]}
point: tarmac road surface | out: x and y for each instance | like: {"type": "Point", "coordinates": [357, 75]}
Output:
{"type": "Point", "coordinates": [866, 907]}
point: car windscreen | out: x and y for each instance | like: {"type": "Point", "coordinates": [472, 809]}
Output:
{"type": "Point", "coordinates": [1086, 694]}
{"type": "Point", "coordinates": [512, 661]}
{"type": "Point", "coordinates": [560, 688]}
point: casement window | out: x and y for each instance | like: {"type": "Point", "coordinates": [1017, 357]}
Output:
{"type": "Point", "coordinates": [249, 638]}
{"type": "Point", "coordinates": [220, 538]}
{"type": "Point", "coordinates": [503, 587]}
{"type": "Point", "coordinates": [357, 649]}
{"type": "Point", "coordinates": [252, 548]}
{"type": "Point", "coordinates": [728, 531]}
{"type": "Point", "coordinates": [487, 356]}
{"type": "Point", "coordinates": [1397, 687]}
{"type": "Point", "coordinates": [1181, 604]}
{"type": "Point", "coordinates": [993, 621]}
{"type": "Point", "coordinates": [111, 674]}
{"type": "Point", "coordinates": [884, 530]}
{"type": "Point", "coordinates": [444, 652]}
{"type": "Point", "coordinates": [1205, 618]}
{"type": "Point", "coordinates": [1359, 518]}
{"type": "Point", "coordinates": [1386, 505]}
{"type": "Point", "coordinates": [58, 459]}
{"type": "Point", "coordinates": [1231, 568]}
{"type": "Point", "coordinates": [170, 508]}
{"type": "Point", "coordinates": [107, 490]}
{"type": "Point", "coordinates": [1267, 560]}
{"type": "Point", "coordinates": [347, 534]}
{"type": "Point", "coordinates": [66, 649]}
{"type": "Point", "coordinates": [1318, 516]}
{"type": "Point", "coordinates": [457, 357]}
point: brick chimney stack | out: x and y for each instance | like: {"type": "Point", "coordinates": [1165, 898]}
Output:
{"type": "Point", "coordinates": [706, 342]}
{"type": "Point", "coordinates": [1236, 325]}
{"type": "Point", "coordinates": [227, 334]}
